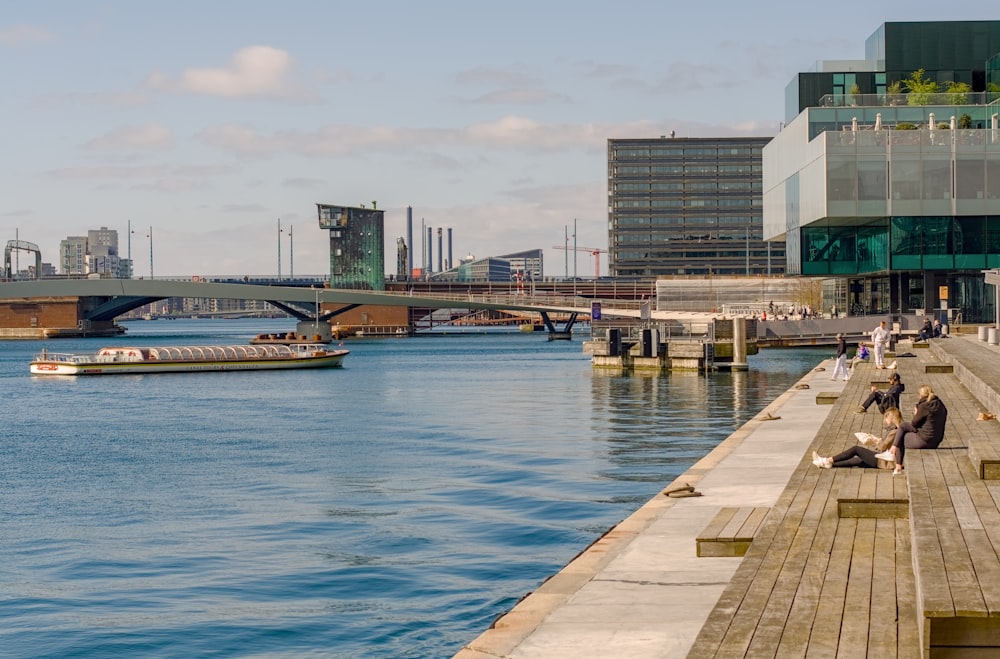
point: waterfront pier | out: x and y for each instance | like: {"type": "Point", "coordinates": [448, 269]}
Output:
{"type": "Point", "coordinates": [844, 562]}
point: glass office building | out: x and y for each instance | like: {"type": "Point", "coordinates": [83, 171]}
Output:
{"type": "Point", "coordinates": [896, 195]}
{"type": "Point", "coordinates": [688, 206]}
{"type": "Point", "coordinates": [357, 246]}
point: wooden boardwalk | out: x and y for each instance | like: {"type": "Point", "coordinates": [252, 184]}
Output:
{"type": "Point", "coordinates": [817, 582]}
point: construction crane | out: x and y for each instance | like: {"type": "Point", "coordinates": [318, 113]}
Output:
{"type": "Point", "coordinates": [593, 251]}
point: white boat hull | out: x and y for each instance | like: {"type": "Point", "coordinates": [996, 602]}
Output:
{"type": "Point", "coordinates": [113, 361]}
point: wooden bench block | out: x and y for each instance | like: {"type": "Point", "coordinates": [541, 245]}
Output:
{"type": "Point", "coordinates": [954, 558]}
{"type": "Point", "coordinates": [872, 493]}
{"type": "Point", "coordinates": [730, 532]}
{"type": "Point", "coordinates": [985, 456]}
{"type": "Point", "coordinates": [939, 368]}
{"type": "Point", "coordinates": [827, 397]}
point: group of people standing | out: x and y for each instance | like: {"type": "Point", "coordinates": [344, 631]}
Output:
{"type": "Point", "coordinates": [880, 341]}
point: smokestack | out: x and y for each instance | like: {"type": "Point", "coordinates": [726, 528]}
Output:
{"type": "Point", "coordinates": [409, 241]}
{"type": "Point", "coordinates": [451, 263]}
{"type": "Point", "coordinates": [440, 251]}
{"type": "Point", "coordinates": [430, 249]}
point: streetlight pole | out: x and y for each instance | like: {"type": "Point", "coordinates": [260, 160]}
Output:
{"type": "Point", "coordinates": [291, 254]}
{"type": "Point", "coordinates": [150, 252]}
{"type": "Point", "coordinates": [748, 250]}
{"type": "Point", "coordinates": [130, 249]}
{"type": "Point", "coordinates": [279, 249]}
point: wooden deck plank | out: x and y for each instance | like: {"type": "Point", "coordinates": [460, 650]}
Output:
{"type": "Point", "coordinates": [867, 489]}
{"type": "Point", "coordinates": [830, 609]}
{"type": "Point", "coordinates": [742, 631]}
{"type": "Point", "coordinates": [966, 595]}
{"type": "Point", "coordinates": [883, 631]}
{"type": "Point", "coordinates": [753, 522]}
{"type": "Point", "coordinates": [731, 530]}
{"type": "Point", "coordinates": [982, 534]}
{"type": "Point", "coordinates": [965, 510]}
{"type": "Point", "coordinates": [795, 636]}
{"type": "Point", "coordinates": [908, 628]}
{"type": "Point", "coordinates": [820, 510]}
{"type": "Point", "coordinates": [719, 521]}
{"type": "Point", "coordinates": [713, 633]}
{"type": "Point", "coordinates": [857, 620]}
{"type": "Point", "coordinates": [935, 594]}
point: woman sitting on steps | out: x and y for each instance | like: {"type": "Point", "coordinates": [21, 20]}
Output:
{"type": "Point", "coordinates": [925, 430]}
{"type": "Point", "coordinates": [860, 456]}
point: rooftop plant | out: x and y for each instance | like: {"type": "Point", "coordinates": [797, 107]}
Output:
{"type": "Point", "coordinates": [919, 88]}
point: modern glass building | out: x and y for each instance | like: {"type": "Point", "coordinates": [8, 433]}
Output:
{"type": "Point", "coordinates": [357, 246]}
{"type": "Point", "coordinates": [896, 196]}
{"type": "Point", "coordinates": [688, 206]}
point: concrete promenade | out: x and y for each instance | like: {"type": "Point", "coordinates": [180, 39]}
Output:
{"type": "Point", "coordinates": [642, 591]}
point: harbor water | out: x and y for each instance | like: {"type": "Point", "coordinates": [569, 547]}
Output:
{"type": "Point", "coordinates": [391, 508]}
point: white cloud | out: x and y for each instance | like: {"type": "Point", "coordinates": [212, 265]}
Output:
{"type": "Point", "coordinates": [20, 36]}
{"type": "Point", "coordinates": [253, 72]}
{"type": "Point", "coordinates": [147, 137]}
{"type": "Point", "coordinates": [520, 96]}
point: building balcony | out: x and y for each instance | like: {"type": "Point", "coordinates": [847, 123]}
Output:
{"type": "Point", "coordinates": [951, 99]}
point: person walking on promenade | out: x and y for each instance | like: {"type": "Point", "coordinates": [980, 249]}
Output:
{"type": "Point", "coordinates": [841, 367]}
{"type": "Point", "coordinates": [884, 399]}
{"type": "Point", "coordinates": [925, 430]}
{"type": "Point", "coordinates": [862, 456]}
{"type": "Point", "coordinates": [880, 339]}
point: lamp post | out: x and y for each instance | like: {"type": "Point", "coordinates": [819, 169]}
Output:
{"type": "Point", "coordinates": [291, 254]}
{"type": "Point", "coordinates": [130, 249]}
{"type": "Point", "coordinates": [748, 250]}
{"type": "Point", "coordinates": [279, 249]}
{"type": "Point", "coordinates": [150, 252]}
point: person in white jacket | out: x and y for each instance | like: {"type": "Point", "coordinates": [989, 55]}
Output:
{"type": "Point", "coordinates": [880, 339]}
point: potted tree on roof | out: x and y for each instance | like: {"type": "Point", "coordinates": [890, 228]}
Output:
{"type": "Point", "coordinates": [920, 90]}
{"type": "Point", "coordinates": [855, 94]}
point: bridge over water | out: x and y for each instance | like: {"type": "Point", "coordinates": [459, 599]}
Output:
{"type": "Point", "coordinates": [73, 307]}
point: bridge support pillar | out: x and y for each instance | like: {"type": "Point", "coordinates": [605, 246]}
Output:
{"type": "Point", "coordinates": [564, 334]}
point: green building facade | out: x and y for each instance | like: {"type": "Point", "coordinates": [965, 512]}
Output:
{"type": "Point", "coordinates": [357, 246]}
{"type": "Point", "coordinates": [895, 196]}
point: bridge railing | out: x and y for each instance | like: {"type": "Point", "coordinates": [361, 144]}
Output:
{"type": "Point", "coordinates": [631, 329]}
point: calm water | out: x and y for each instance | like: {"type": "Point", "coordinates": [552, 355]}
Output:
{"type": "Point", "coordinates": [392, 508]}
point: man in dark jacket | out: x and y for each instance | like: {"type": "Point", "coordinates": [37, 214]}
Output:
{"type": "Point", "coordinates": [885, 399]}
{"type": "Point", "coordinates": [925, 430]}
{"type": "Point", "coordinates": [840, 367]}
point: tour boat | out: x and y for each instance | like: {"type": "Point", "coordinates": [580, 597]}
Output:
{"type": "Point", "coordinates": [187, 359]}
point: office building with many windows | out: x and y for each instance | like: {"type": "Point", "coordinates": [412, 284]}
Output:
{"type": "Point", "coordinates": [357, 246]}
{"type": "Point", "coordinates": [688, 206]}
{"type": "Point", "coordinates": [893, 191]}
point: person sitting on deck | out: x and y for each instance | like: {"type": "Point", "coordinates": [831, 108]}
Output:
{"type": "Point", "coordinates": [885, 399]}
{"type": "Point", "coordinates": [925, 430]}
{"type": "Point", "coordinates": [861, 456]}
{"type": "Point", "coordinates": [938, 329]}
{"type": "Point", "coordinates": [927, 331]}
{"type": "Point", "coordinates": [860, 356]}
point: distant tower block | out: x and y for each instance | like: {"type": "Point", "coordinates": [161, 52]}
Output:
{"type": "Point", "coordinates": [357, 246]}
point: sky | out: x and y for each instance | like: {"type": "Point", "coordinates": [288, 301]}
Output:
{"type": "Point", "coordinates": [209, 124]}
